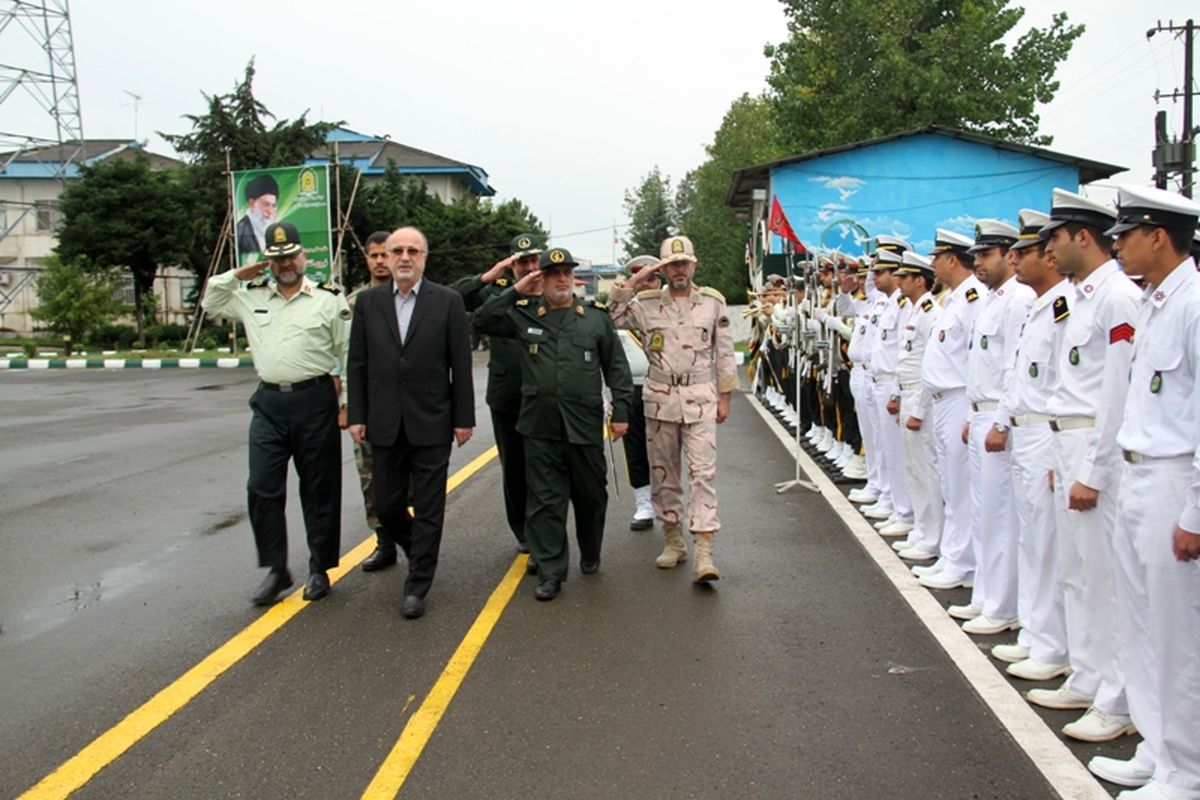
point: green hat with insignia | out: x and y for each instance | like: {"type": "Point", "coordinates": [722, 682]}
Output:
{"type": "Point", "coordinates": [557, 258]}
{"type": "Point", "coordinates": [527, 244]}
{"type": "Point", "coordinates": [282, 240]}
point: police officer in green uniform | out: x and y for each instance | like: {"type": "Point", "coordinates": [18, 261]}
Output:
{"type": "Point", "coordinates": [299, 332]}
{"type": "Point", "coordinates": [504, 376]}
{"type": "Point", "coordinates": [566, 347]}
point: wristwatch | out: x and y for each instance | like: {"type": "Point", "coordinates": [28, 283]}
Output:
{"type": "Point", "coordinates": [1000, 427]}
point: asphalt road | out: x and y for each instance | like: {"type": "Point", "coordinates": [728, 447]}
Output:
{"type": "Point", "coordinates": [126, 558]}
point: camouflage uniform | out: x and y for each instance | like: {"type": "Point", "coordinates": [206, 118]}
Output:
{"type": "Point", "coordinates": [689, 344]}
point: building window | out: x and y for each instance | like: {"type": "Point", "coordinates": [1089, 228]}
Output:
{"type": "Point", "coordinates": [124, 295]}
{"type": "Point", "coordinates": [48, 215]}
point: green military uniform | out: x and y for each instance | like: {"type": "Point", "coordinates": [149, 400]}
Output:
{"type": "Point", "coordinates": [564, 355]}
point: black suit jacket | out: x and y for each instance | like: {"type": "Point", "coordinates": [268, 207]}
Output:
{"type": "Point", "coordinates": [423, 385]}
{"type": "Point", "coordinates": [247, 242]}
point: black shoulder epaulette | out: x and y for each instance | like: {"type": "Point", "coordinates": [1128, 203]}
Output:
{"type": "Point", "coordinates": [502, 282]}
{"type": "Point", "coordinates": [258, 284]}
{"type": "Point", "coordinates": [1061, 311]}
{"type": "Point", "coordinates": [972, 295]}
{"type": "Point", "coordinates": [927, 305]}
{"type": "Point", "coordinates": [524, 301]}
{"type": "Point", "coordinates": [903, 302]}
{"type": "Point", "coordinates": [329, 287]}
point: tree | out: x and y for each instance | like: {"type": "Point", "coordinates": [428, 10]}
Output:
{"type": "Point", "coordinates": [651, 214]}
{"type": "Point", "coordinates": [74, 300]}
{"type": "Point", "coordinates": [747, 136]}
{"type": "Point", "coordinates": [853, 70]}
{"type": "Point", "coordinates": [123, 214]}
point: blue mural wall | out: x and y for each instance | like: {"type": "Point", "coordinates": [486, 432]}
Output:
{"type": "Point", "coordinates": [910, 187]}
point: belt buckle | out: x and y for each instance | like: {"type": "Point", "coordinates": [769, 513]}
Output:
{"type": "Point", "coordinates": [285, 387]}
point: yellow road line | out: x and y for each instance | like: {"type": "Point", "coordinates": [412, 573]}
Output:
{"type": "Point", "coordinates": [399, 762]}
{"type": "Point", "coordinates": [112, 744]}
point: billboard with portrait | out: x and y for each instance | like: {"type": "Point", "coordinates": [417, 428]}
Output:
{"type": "Point", "coordinates": [299, 195]}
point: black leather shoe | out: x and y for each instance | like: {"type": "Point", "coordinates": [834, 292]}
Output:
{"type": "Point", "coordinates": [413, 608]}
{"type": "Point", "coordinates": [531, 566]}
{"type": "Point", "coordinates": [272, 585]}
{"type": "Point", "coordinates": [317, 586]}
{"type": "Point", "coordinates": [383, 557]}
{"type": "Point", "coordinates": [589, 567]}
{"type": "Point", "coordinates": [522, 547]}
{"type": "Point", "coordinates": [641, 524]}
{"type": "Point", "coordinates": [547, 590]}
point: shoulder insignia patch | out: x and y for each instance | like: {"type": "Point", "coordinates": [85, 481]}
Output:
{"type": "Point", "coordinates": [927, 305]}
{"type": "Point", "coordinates": [579, 310]}
{"type": "Point", "coordinates": [330, 287]}
{"type": "Point", "coordinates": [502, 282]}
{"type": "Point", "coordinates": [647, 294]}
{"type": "Point", "coordinates": [903, 302]}
{"type": "Point", "coordinates": [1061, 311]}
{"type": "Point", "coordinates": [723, 322]}
{"type": "Point", "coordinates": [523, 301]}
{"type": "Point", "coordinates": [1121, 333]}
{"type": "Point", "coordinates": [972, 295]}
{"type": "Point", "coordinates": [711, 292]}
{"type": "Point", "coordinates": [345, 313]}
{"type": "Point", "coordinates": [258, 284]}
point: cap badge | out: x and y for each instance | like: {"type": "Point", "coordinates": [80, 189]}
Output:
{"type": "Point", "coordinates": [523, 242]}
{"type": "Point", "coordinates": [677, 246]}
{"type": "Point", "coordinates": [280, 236]}
{"type": "Point", "coordinates": [557, 256]}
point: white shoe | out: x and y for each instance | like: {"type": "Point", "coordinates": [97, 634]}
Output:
{"type": "Point", "coordinates": [916, 554]}
{"type": "Point", "coordinates": [944, 580]}
{"type": "Point", "coordinates": [901, 544]}
{"type": "Point", "coordinates": [989, 626]}
{"type": "Point", "coordinates": [814, 433]}
{"type": "Point", "coordinates": [921, 570]}
{"type": "Point", "coordinates": [897, 528]}
{"type": "Point", "coordinates": [1120, 772]}
{"type": "Point", "coordinates": [1096, 726]}
{"type": "Point", "coordinates": [968, 612]}
{"type": "Point", "coordinates": [1156, 791]}
{"type": "Point", "coordinates": [1062, 697]}
{"type": "Point", "coordinates": [876, 512]}
{"type": "Point", "coordinates": [880, 524]}
{"type": "Point", "coordinates": [862, 496]}
{"type": "Point", "coordinates": [854, 471]}
{"type": "Point", "coordinates": [1033, 670]}
{"type": "Point", "coordinates": [827, 443]}
{"type": "Point", "coordinates": [1011, 653]}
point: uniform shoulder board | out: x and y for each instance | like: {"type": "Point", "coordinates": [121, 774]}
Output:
{"type": "Point", "coordinates": [258, 284]}
{"type": "Point", "coordinates": [599, 305]}
{"type": "Point", "coordinates": [927, 305]}
{"type": "Point", "coordinates": [972, 295]}
{"type": "Point", "coordinates": [647, 294]}
{"type": "Point", "coordinates": [1061, 311]}
{"type": "Point", "coordinates": [711, 292]}
{"type": "Point", "coordinates": [502, 282]}
{"type": "Point", "coordinates": [903, 302]}
{"type": "Point", "coordinates": [524, 301]}
{"type": "Point", "coordinates": [861, 295]}
{"type": "Point", "coordinates": [330, 287]}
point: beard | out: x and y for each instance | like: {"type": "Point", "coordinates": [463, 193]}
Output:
{"type": "Point", "coordinates": [290, 276]}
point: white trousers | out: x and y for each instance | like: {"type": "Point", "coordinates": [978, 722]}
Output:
{"type": "Point", "coordinates": [949, 416]}
{"type": "Point", "coordinates": [924, 489]}
{"type": "Point", "coordinates": [891, 454]}
{"type": "Point", "coordinates": [1039, 595]}
{"type": "Point", "coordinates": [1086, 572]}
{"type": "Point", "coordinates": [1158, 620]}
{"type": "Point", "coordinates": [864, 409]}
{"type": "Point", "coordinates": [993, 523]}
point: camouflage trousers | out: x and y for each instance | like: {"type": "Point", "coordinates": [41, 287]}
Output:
{"type": "Point", "coordinates": [364, 462]}
{"type": "Point", "coordinates": [670, 443]}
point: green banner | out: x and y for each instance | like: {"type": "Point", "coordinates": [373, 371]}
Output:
{"type": "Point", "coordinates": [299, 195]}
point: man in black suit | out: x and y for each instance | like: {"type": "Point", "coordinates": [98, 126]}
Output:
{"type": "Point", "coordinates": [410, 395]}
{"type": "Point", "coordinates": [262, 197]}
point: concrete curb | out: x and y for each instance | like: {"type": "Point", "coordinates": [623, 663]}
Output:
{"type": "Point", "coordinates": [124, 363]}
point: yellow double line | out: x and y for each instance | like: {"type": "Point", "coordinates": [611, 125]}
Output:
{"type": "Point", "coordinates": [113, 743]}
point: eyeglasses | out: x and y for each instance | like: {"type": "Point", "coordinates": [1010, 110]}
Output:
{"type": "Point", "coordinates": [411, 252]}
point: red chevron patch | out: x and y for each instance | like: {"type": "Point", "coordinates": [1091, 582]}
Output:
{"type": "Point", "coordinates": [1121, 333]}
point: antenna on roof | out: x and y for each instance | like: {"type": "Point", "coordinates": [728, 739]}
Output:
{"type": "Point", "coordinates": [137, 98]}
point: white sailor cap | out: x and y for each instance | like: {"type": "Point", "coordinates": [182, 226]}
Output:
{"type": "Point", "coordinates": [950, 242]}
{"type": "Point", "coordinates": [887, 259]}
{"type": "Point", "coordinates": [893, 243]}
{"type": "Point", "coordinates": [1070, 207]}
{"type": "Point", "coordinates": [1158, 208]}
{"type": "Point", "coordinates": [1032, 223]}
{"type": "Point", "coordinates": [915, 264]}
{"type": "Point", "coordinates": [991, 233]}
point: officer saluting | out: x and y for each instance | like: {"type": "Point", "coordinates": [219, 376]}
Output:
{"type": "Point", "coordinates": [299, 332]}
{"type": "Point", "coordinates": [567, 346]}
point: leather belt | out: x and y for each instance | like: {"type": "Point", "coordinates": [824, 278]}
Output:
{"type": "Point", "coordinates": [1138, 458]}
{"type": "Point", "coordinates": [985, 405]}
{"type": "Point", "coordinates": [678, 378]}
{"type": "Point", "coordinates": [1071, 423]}
{"type": "Point", "coordinates": [294, 387]}
{"type": "Point", "coordinates": [886, 377]}
{"type": "Point", "coordinates": [945, 393]}
{"type": "Point", "coordinates": [1025, 420]}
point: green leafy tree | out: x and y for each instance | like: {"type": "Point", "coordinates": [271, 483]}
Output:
{"type": "Point", "coordinates": [747, 136]}
{"type": "Point", "coordinates": [74, 300]}
{"type": "Point", "coordinates": [651, 214]}
{"type": "Point", "coordinates": [853, 70]}
{"type": "Point", "coordinates": [123, 214]}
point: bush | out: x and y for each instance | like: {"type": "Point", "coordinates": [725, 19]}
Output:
{"type": "Point", "coordinates": [208, 342]}
{"type": "Point", "coordinates": [30, 348]}
{"type": "Point", "coordinates": [114, 337]}
{"type": "Point", "coordinates": [166, 336]}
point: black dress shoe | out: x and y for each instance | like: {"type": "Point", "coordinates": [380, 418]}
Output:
{"type": "Point", "coordinates": [531, 566]}
{"type": "Point", "coordinates": [547, 590]}
{"type": "Point", "coordinates": [383, 557]}
{"type": "Point", "coordinates": [589, 567]}
{"type": "Point", "coordinates": [272, 585]}
{"type": "Point", "coordinates": [641, 524]}
{"type": "Point", "coordinates": [522, 547]}
{"type": "Point", "coordinates": [413, 608]}
{"type": "Point", "coordinates": [317, 586]}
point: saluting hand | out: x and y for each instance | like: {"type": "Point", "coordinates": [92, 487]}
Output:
{"type": "Point", "coordinates": [642, 276]}
{"type": "Point", "coordinates": [530, 284]}
{"type": "Point", "coordinates": [249, 272]}
{"type": "Point", "coordinates": [498, 269]}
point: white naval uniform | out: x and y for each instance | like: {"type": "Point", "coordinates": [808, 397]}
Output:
{"type": "Point", "coordinates": [920, 456]}
{"type": "Point", "coordinates": [1088, 404]}
{"type": "Point", "coordinates": [885, 349]}
{"type": "Point", "coordinates": [944, 374]}
{"type": "Point", "coordinates": [993, 517]}
{"type": "Point", "coordinates": [1026, 404]}
{"type": "Point", "coordinates": [876, 303]}
{"type": "Point", "coordinates": [856, 351]}
{"type": "Point", "coordinates": [1158, 597]}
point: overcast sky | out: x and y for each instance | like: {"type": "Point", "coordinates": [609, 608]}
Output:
{"type": "Point", "coordinates": [564, 104]}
